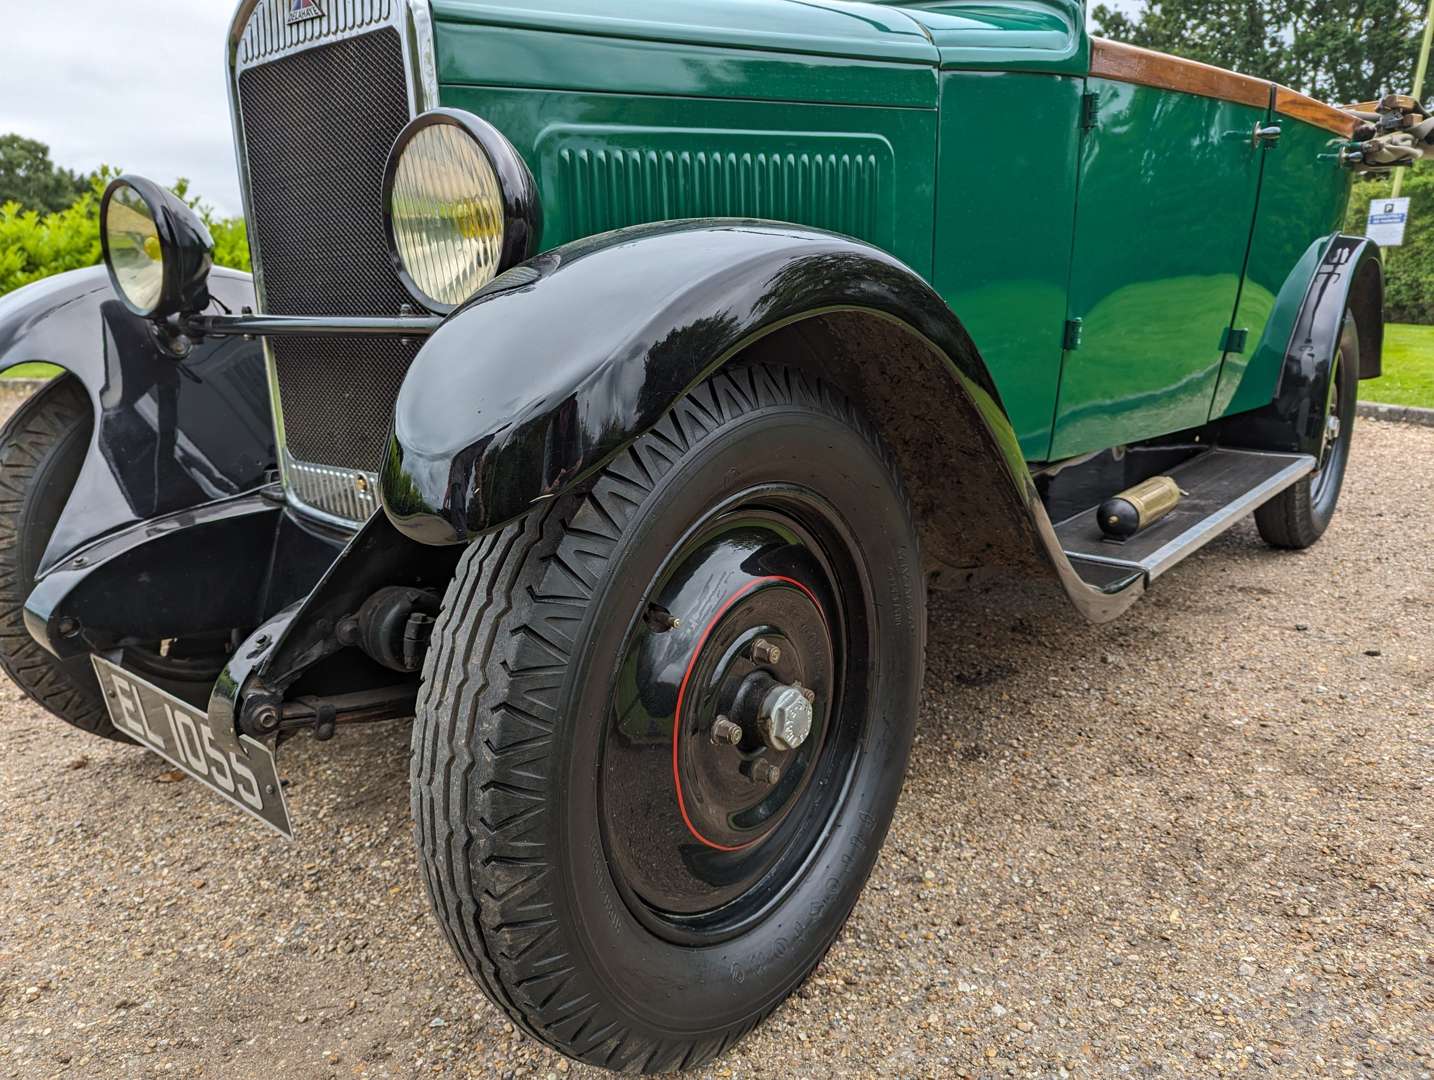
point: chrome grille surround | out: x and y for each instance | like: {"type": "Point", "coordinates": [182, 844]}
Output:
{"type": "Point", "coordinates": [260, 35]}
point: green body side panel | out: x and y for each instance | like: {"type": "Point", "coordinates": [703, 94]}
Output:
{"type": "Point", "coordinates": [1016, 35]}
{"type": "Point", "coordinates": [1003, 235]}
{"type": "Point", "coordinates": [604, 161]}
{"type": "Point", "coordinates": [1167, 200]}
{"type": "Point", "coordinates": [1303, 198]}
{"type": "Point", "coordinates": [891, 122]}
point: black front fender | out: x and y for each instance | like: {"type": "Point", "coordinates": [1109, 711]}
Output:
{"type": "Point", "coordinates": [169, 434]}
{"type": "Point", "coordinates": [562, 362]}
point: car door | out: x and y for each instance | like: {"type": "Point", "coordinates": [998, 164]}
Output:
{"type": "Point", "coordinates": [1169, 176]}
{"type": "Point", "coordinates": [1304, 193]}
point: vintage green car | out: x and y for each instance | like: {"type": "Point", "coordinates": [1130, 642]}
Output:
{"type": "Point", "coordinates": [635, 367]}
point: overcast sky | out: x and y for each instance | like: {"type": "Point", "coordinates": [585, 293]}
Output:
{"type": "Point", "coordinates": [138, 84]}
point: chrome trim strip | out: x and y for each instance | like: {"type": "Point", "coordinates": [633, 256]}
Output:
{"type": "Point", "coordinates": [272, 38]}
{"type": "Point", "coordinates": [1193, 540]}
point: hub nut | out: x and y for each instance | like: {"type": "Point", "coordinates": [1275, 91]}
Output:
{"type": "Point", "coordinates": [786, 718]}
{"type": "Point", "coordinates": [725, 733]}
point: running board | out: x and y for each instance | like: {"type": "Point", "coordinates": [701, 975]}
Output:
{"type": "Point", "coordinates": [1221, 487]}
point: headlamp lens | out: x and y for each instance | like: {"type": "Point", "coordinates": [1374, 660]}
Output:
{"type": "Point", "coordinates": [135, 253]}
{"type": "Point", "coordinates": [447, 214]}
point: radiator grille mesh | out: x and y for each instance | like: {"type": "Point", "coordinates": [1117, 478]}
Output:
{"type": "Point", "coordinates": [318, 126]}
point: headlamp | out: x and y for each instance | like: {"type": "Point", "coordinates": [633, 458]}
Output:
{"type": "Point", "coordinates": [462, 207]}
{"type": "Point", "coordinates": [157, 250]}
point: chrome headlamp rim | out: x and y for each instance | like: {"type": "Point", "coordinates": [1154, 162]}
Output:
{"type": "Point", "coordinates": [522, 209]}
{"type": "Point", "coordinates": [186, 250]}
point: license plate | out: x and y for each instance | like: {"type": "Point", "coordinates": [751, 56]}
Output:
{"type": "Point", "coordinates": [238, 769]}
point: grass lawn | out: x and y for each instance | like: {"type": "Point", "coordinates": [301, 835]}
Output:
{"type": "Point", "coordinates": [1408, 368]}
{"type": "Point", "coordinates": [32, 371]}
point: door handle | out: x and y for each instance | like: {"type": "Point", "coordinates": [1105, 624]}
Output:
{"type": "Point", "coordinates": [1266, 134]}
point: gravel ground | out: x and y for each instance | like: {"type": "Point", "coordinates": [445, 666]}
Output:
{"type": "Point", "coordinates": [1196, 842]}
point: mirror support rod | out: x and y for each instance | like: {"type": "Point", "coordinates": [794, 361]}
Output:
{"type": "Point", "coordinates": [307, 325]}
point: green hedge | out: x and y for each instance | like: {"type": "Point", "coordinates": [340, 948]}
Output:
{"type": "Point", "coordinates": [35, 245]}
{"type": "Point", "coordinates": [1408, 269]}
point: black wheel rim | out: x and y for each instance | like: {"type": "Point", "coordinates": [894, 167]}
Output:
{"type": "Point", "coordinates": [1326, 481]}
{"type": "Point", "coordinates": [764, 595]}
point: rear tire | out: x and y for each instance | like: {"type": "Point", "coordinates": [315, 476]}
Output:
{"type": "Point", "coordinates": [549, 725]}
{"type": "Point", "coordinates": [1299, 515]}
{"type": "Point", "coordinates": [42, 448]}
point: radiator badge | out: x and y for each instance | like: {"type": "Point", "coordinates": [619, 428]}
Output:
{"type": "Point", "coordinates": [303, 10]}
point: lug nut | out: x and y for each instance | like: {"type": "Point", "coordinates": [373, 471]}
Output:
{"type": "Point", "coordinates": [764, 652]}
{"type": "Point", "coordinates": [762, 771]}
{"type": "Point", "coordinates": [724, 732]}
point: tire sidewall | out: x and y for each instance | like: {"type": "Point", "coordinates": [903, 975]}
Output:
{"type": "Point", "coordinates": [679, 991]}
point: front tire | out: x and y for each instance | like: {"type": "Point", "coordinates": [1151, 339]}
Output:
{"type": "Point", "coordinates": [1297, 517]}
{"type": "Point", "coordinates": [628, 887]}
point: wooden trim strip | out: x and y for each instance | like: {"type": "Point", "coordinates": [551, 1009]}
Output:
{"type": "Point", "coordinates": [1298, 106]}
{"type": "Point", "coordinates": [1146, 67]}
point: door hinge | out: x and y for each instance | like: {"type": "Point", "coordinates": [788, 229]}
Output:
{"type": "Point", "coordinates": [1074, 329]}
{"type": "Point", "coordinates": [1089, 110]}
{"type": "Point", "coordinates": [1233, 340]}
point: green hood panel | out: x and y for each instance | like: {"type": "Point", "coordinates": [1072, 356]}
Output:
{"type": "Point", "coordinates": [816, 51]}
{"type": "Point", "coordinates": [814, 27]}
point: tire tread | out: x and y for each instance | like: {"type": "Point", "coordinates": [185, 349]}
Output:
{"type": "Point", "coordinates": [35, 431]}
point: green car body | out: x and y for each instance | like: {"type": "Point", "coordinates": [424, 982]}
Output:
{"type": "Point", "coordinates": [1050, 208]}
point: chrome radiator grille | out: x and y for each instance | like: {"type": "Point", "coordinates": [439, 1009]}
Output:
{"type": "Point", "coordinates": [318, 116]}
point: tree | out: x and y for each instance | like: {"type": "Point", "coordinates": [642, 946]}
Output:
{"type": "Point", "coordinates": [35, 244]}
{"type": "Point", "coordinates": [1334, 50]}
{"type": "Point", "coordinates": [30, 178]}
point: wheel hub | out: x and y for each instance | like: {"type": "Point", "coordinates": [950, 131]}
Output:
{"type": "Point", "coordinates": [724, 714]}
{"type": "Point", "coordinates": [732, 795]}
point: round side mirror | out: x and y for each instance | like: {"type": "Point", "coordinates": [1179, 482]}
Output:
{"type": "Point", "coordinates": [156, 248]}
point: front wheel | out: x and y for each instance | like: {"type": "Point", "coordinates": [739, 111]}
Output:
{"type": "Point", "coordinates": [665, 723]}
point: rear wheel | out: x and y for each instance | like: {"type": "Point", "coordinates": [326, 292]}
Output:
{"type": "Point", "coordinates": [1300, 514]}
{"type": "Point", "coordinates": [42, 448]}
{"type": "Point", "coordinates": [665, 722]}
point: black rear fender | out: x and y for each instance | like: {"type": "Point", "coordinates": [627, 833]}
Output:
{"type": "Point", "coordinates": [1348, 281]}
